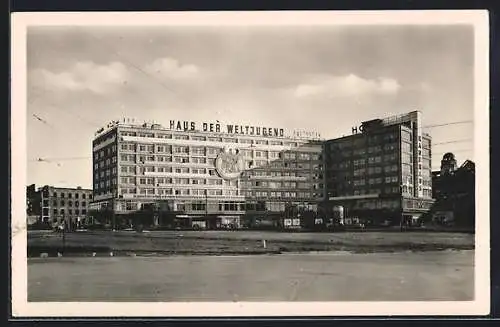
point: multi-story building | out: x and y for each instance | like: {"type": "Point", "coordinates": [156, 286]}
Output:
{"type": "Point", "coordinates": [33, 204]}
{"type": "Point", "coordinates": [211, 174]}
{"type": "Point", "coordinates": [381, 173]}
{"type": "Point", "coordinates": [448, 164]}
{"type": "Point", "coordinates": [53, 205]}
{"type": "Point", "coordinates": [454, 191]}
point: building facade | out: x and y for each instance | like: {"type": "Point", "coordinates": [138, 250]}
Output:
{"type": "Point", "coordinates": [54, 205]}
{"type": "Point", "coordinates": [381, 173]}
{"type": "Point", "coordinates": [448, 164]}
{"type": "Point", "coordinates": [210, 175]}
{"type": "Point", "coordinates": [454, 192]}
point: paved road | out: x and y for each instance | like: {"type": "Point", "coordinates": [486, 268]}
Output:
{"type": "Point", "coordinates": [445, 275]}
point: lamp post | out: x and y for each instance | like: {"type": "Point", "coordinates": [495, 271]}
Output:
{"type": "Point", "coordinates": [63, 234]}
{"type": "Point", "coordinates": [206, 203]}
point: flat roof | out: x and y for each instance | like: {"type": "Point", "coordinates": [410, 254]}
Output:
{"type": "Point", "coordinates": [65, 188]}
{"type": "Point", "coordinates": [157, 127]}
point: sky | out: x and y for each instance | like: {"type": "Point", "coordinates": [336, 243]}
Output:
{"type": "Point", "coordinates": [318, 78]}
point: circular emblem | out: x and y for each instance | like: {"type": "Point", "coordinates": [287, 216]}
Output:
{"type": "Point", "coordinates": [229, 164]}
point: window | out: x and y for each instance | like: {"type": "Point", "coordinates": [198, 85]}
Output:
{"type": "Point", "coordinates": [406, 135]}
{"type": "Point", "coordinates": [359, 162]}
{"type": "Point", "coordinates": [359, 182]}
{"type": "Point", "coordinates": [359, 172]}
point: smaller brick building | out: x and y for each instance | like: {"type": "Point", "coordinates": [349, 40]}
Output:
{"type": "Point", "coordinates": [54, 205]}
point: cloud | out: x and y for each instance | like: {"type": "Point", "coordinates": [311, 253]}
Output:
{"type": "Point", "coordinates": [345, 86]}
{"type": "Point", "coordinates": [172, 69]}
{"type": "Point", "coordinates": [83, 76]}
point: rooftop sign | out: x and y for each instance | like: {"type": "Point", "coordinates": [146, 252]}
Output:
{"type": "Point", "coordinates": [217, 127]}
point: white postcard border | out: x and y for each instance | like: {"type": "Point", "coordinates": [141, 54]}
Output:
{"type": "Point", "coordinates": [22, 308]}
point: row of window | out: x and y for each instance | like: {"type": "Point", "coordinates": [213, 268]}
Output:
{"type": "Point", "coordinates": [106, 173]}
{"type": "Point", "coordinates": [406, 147]}
{"type": "Point", "coordinates": [211, 172]}
{"type": "Point", "coordinates": [105, 152]}
{"type": "Point", "coordinates": [61, 203]}
{"type": "Point", "coordinates": [274, 184]}
{"type": "Point", "coordinates": [186, 170]}
{"type": "Point", "coordinates": [187, 181]}
{"type": "Point", "coordinates": [374, 170]}
{"type": "Point", "coordinates": [362, 141]}
{"type": "Point", "coordinates": [406, 136]}
{"type": "Point", "coordinates": [410, 190]}
{"type": "Point", "coordinates": [281, 194]}
{"type": "Point", "coordinates": [169, 191]}
{"type": "Point", "coordinates": [105, 163]}
{"type": "Point", "coordinates": [210, 206]}
{"type": "Point", "coordinates": [195, 160]}
{"type": "Point", "coordinates": [70, 195]}
{"type": "Point", "coordinates": [377, 204]}
{"type": "Point", "coordinates": [207, 138]}
{"type": "Point", "coordinates": [378, 180]}
{"type": "Point", "coordinates": [70, 212]}
{"type": "Point", "coordinates": [362, 162]}
{"type": "Point", "coordinates": [385, 190]}
{"type": "Point", "coordinates": [250, 193]}
{"type": "Point", "coordinates": [427, 193]}
{"type": "Point", "coordinates": [211, 152]}
{"type": "Point", "coordinates": [106, 183]}
{"type": "Point", "coordinates": [426, 143]}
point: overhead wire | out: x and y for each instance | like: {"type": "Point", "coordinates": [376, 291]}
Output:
{"type": "Point", "coordinates": [41, 159]}
{"type": "Point", "coordinates": [129, 62]}
{"type": "Point", "coordinates": [448, 124]}
{"type": "Point", "coordinates": [71, 113]}
{"type": "Point", "coordinates": [42, 120]}
{"type": "Point", "coordinates": [451, 142]}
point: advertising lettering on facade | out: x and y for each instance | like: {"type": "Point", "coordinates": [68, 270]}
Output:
{"type": "Point", "coordinates": [229, 128]}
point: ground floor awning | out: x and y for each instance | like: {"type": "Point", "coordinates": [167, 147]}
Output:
{"type": "Point", "coordinates": [188, 216]}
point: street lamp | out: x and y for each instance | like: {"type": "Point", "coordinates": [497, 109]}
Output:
{"type": "Point", "coordinates": [206, 205]}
